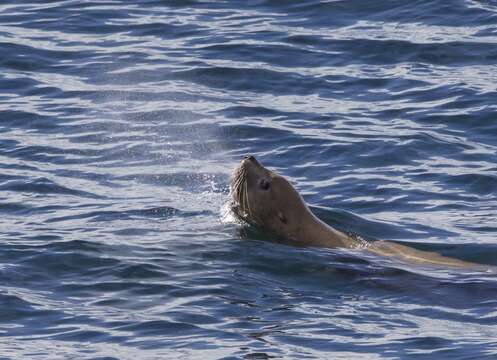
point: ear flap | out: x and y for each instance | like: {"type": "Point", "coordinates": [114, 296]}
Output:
{"type": "Point", "coordinates": [282, 217]}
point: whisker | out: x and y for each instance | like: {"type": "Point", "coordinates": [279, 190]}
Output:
{"type": "Point", "coordinates": [239, 193]}
{"type": "Point", "coordinates": [239, 177]}
{"type": "Point", "coordinates": [235, 185]}
{"type": "Point", "coordinates": [241, 197]}
{"type": "Point", "coordinates": [247, 198]}
{"type": "Point", "coordinates": [239, 183]}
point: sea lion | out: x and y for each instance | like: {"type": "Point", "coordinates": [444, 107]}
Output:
{"type": "Point", "coordinates": [267, 200]}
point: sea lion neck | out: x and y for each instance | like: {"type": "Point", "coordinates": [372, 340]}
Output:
{"type": "Point", "coordinates": [318, 233]}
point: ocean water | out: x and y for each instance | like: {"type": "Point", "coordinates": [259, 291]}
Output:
{"type": "Point", "coordinates": [121, 121]}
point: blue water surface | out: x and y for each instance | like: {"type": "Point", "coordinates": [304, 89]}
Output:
{"type": "Point", "coordinates": [121, 121]}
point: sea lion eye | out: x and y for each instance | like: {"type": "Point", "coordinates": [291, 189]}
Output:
{"type": "Point", "coordinates": [282, 217]}
{"type": "Point", "coordinates": [264, 184]}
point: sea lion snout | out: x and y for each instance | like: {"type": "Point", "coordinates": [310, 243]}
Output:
{"type": "Point", "coordinates": [251, 160]}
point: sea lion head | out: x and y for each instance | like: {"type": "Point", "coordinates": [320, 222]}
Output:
{"type": "Point", "coordinates": [266, 199]}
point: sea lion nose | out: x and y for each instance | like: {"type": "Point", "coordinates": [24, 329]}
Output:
{"type": "Point", "coordinates": [249, 157]}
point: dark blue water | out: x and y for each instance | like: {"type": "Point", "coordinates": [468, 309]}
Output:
{"type": "Point", "coordinates": [121, 121]}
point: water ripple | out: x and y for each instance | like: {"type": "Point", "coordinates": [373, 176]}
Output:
{"type": "Point", "coordinates": [121, 122]}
